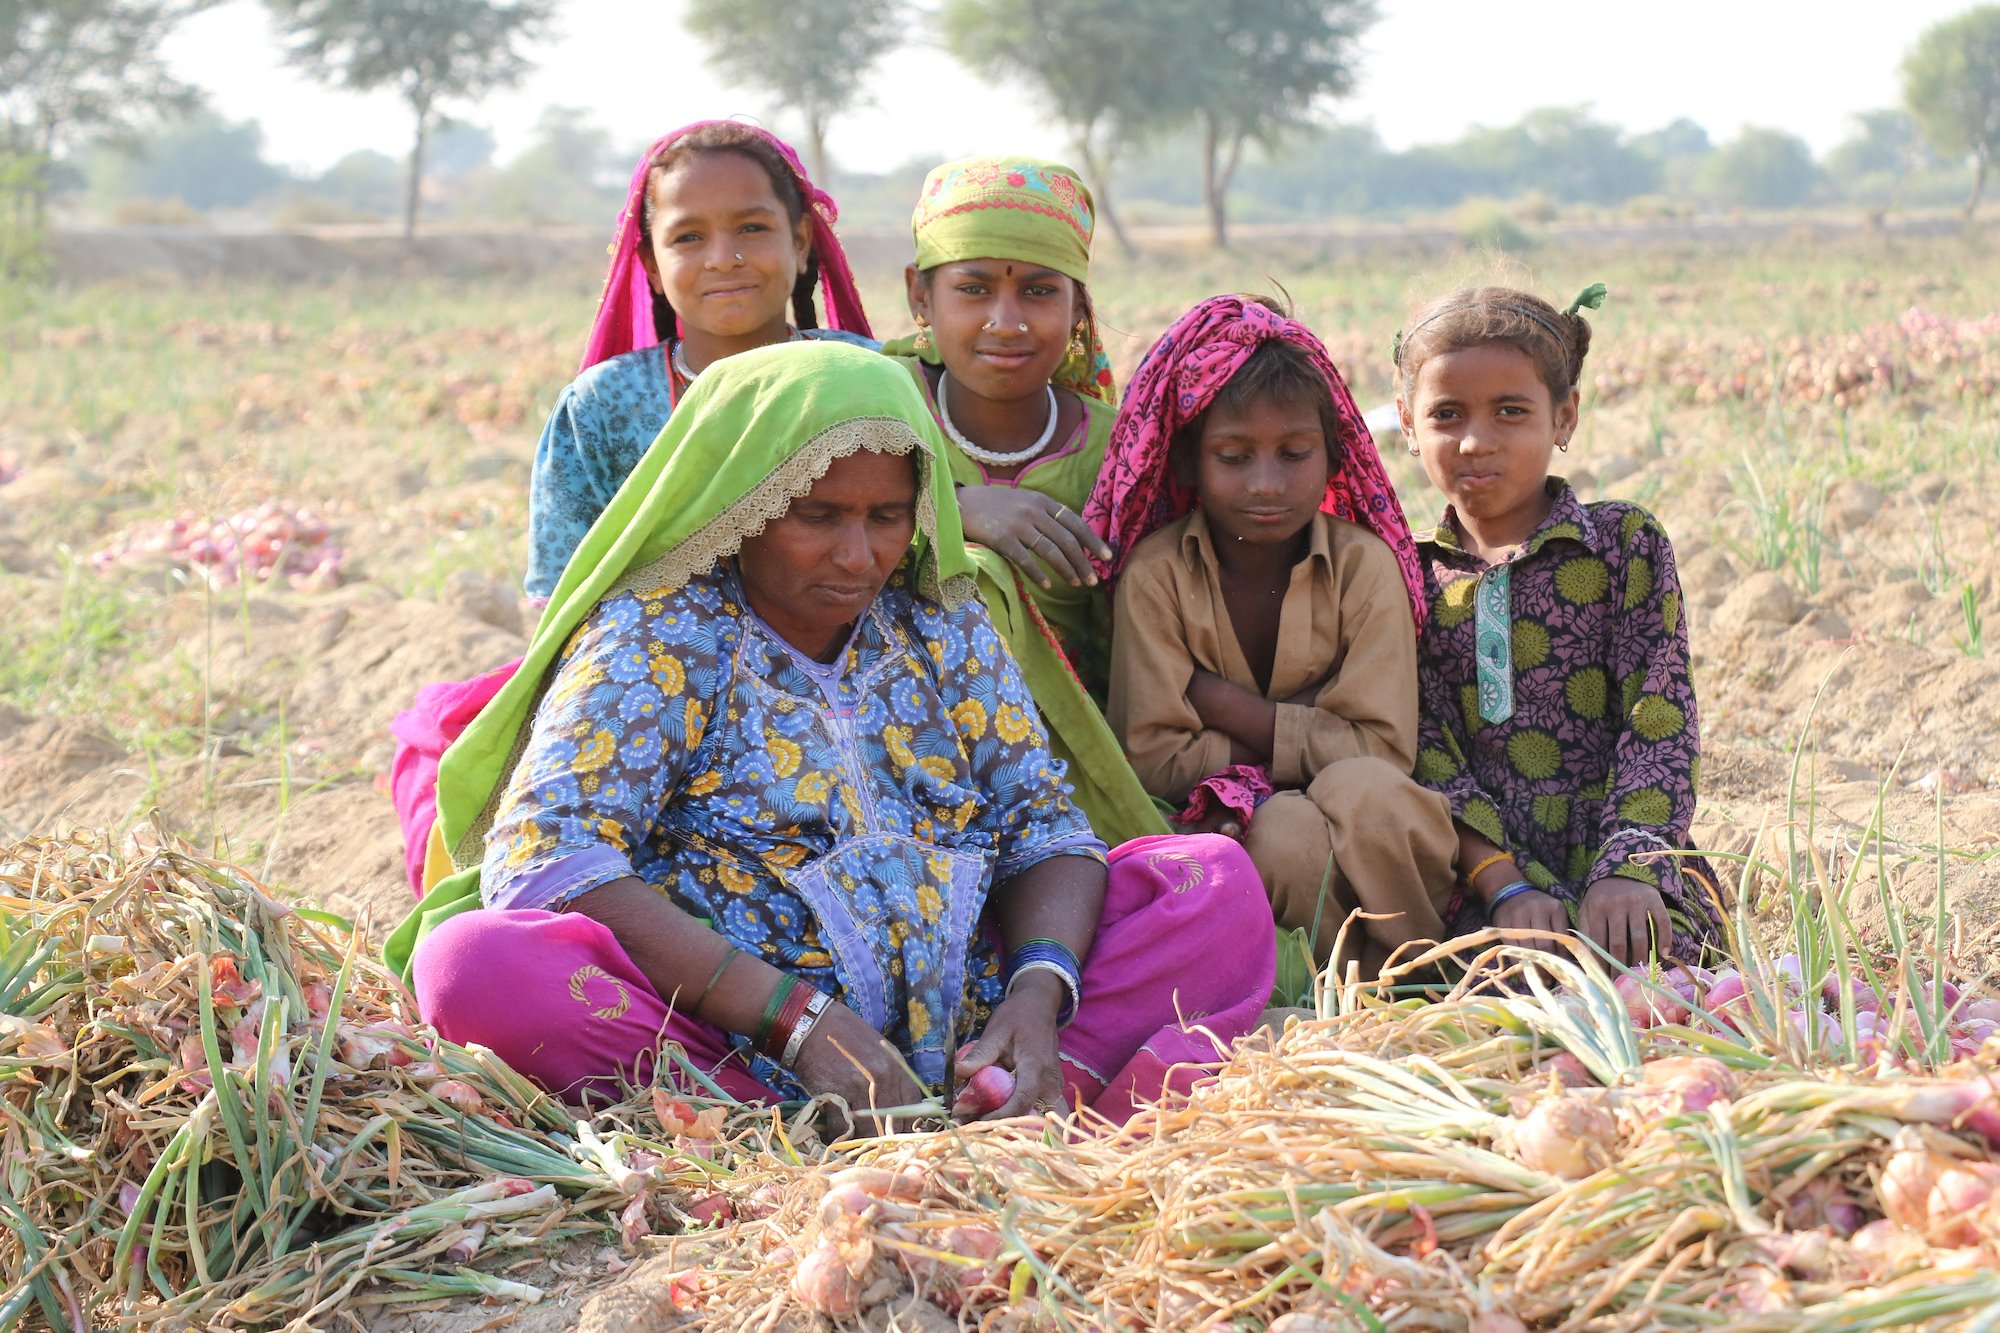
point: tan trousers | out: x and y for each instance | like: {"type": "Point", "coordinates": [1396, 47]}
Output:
{"type": "Point", "coordinates": [1390, 842]}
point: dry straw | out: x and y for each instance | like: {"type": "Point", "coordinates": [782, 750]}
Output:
{"type": "Point", "coordinates": [206, 1124]}
{"type": "Point", "coordinates": [188, 1139]}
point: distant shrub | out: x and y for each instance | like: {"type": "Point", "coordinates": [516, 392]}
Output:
{"type": "Point", "coordinates": [155, 213]}
{"type": "Point", "coordinates": [1488, 224]}
{"type": "Point", "coordinates": [1658, 208]}
{"type": "Point", "coordinates": [1535, 207]}
{"type": "Point", "coordinates": [305, 210]}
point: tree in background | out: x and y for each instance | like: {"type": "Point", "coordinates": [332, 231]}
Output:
{"type": "Point", "coordinates": [1099, 65]}
{"type": "Point", "coordinates": [1874, 164]}
{"type": "Point", "coordinates": [569, 172]}
{"type": "Point", "coordinates": [69, 68]}
{"type": "Point", "coordinates": [200, 159]}
{"type": "Point", "coordinates": [428, 51]}
{"type": "Point", "coordinates": [1250, 71]}
{"type": "Point", "coordinates": [812, 55]}
{"type": "Point", "coordinates": [1680, 147]}
{"type": "Point", "coordinates": [1951, 82]}
{"type": "Point", "coordinates": [1763, 169]}
{"type": "Point", "coordinates": [459, 148]}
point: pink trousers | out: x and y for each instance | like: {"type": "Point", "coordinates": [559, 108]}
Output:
{"type": "Point", "coordinates": [1181, 968]}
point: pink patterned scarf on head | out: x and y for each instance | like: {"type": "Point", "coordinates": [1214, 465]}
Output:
{"type": "Point", "coordinates": [625, 314]}
{"type": "Point", "coordinates": [1182, 374]}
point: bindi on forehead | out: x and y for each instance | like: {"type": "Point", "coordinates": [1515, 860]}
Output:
{"type": "Point", "coordinates": [1010, 270]}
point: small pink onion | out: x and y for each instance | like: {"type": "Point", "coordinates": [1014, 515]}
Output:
{"type": "Point", "coordinates": [1566, 1069]}
{"type": "Point", "coordinates": [1697, 1080]}
{"type": "Point", "coordinates": [985, 1092]}
{"type": "Point", "coordinates": [1906, 1183]}
{"type": "Point", "coordinates": [1647, 1006]}
{"type": "Point", "coordinates": [1887, 1248]}
{"type": "Point", "coordinates": [1565, 1136]}
{"type": "Point", "coordinates": [1958, 1198]}
{"type": "Point", "coordinates": [826, 1283]}
{"type": "Point", "coordinates": [1866, 1001]}
{"type": "Point", "coordinates": [1982, 1011]}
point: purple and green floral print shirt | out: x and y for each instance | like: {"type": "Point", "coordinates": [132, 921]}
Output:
{"type": "Point", "coordinates": [1591, 769]}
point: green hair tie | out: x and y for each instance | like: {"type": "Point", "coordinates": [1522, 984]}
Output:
{"type": "Point", "coordinates": [1591, 296]}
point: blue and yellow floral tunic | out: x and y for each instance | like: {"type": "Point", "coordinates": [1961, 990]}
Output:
{"type": "Point", "coordinates": [844, 821]}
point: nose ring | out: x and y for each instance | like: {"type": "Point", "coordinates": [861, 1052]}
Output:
{"type": "Point", "coordinates": [993, 325]}
{"type": "Point", "coordinates": [739, 257]}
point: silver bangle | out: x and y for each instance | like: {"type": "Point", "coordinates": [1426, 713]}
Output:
{"type": "Point", "coordinates": [803, 1028]}
{"type": "Point", "coordinates": [1050, 965]}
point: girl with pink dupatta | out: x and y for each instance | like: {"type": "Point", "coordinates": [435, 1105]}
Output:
{"type": "Point", "coordinates": [722, 236]}
{"type": "Point", "coordinates": [1264, 660]}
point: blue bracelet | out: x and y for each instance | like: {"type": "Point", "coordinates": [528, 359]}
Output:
{"type": "Point", "coordinates": [1046, 955]}
{"type": "Point", "coordinates": [1514, 890]}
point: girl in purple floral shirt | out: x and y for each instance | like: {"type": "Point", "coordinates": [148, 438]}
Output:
{"type": "Point", "coordinates": [1558, 709]}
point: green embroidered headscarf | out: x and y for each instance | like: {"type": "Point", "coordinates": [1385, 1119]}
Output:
{"type": "Point", "coordinates": [752, 435]}
{"type": "Point", "coordinates": [1017, 208]}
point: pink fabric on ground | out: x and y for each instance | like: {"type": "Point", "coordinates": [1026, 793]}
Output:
{"type": "Point", "coordinates": [431, 723]}
{"type": "Point", "coordinates": [1182, 966]}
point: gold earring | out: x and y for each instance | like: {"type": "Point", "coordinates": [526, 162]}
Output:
{"type": "Point", "coordinates": [923, 339]}
{"type": "Point", "coordinates": [1077, 347]}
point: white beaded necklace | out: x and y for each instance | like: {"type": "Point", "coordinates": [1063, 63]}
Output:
{"type": "Point", "coordinates": [993, 457]}
{"type": "Point", "coordinates": [679, 358]}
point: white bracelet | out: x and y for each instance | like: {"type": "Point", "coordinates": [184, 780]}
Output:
{"type": "Point", "coordinates": [1050, 965]}
{"type": "Point", "coordinates": [803, 1028]}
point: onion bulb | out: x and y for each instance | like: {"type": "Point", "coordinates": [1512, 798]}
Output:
{"type": "Point", "coordinates": [1905, 1186]}
{"type": "Point", "coordinates": [986, 1091]}
{"type": "Point", "coordinates": [1565, 1136]}
{"type": "Point", "coordinates": [1696, 1080]}
{"type": "Point", "coordinates": [826, 1281]}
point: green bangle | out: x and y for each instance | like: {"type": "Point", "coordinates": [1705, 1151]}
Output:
{"type": "Point", "coordinates": [721, 967]}
{"type": "Point", "coordinates": [769, 1021]}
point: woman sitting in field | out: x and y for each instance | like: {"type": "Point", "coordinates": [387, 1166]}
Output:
{"type": "Point", "coordinates": [1558, 705]}
{"type": "Point", "coordinates": [1008, 358]}
{"type": "Point", "coordinates": [1264, 673]}
{"type": "Point", "coordinates": [770, 786]}
{"type": "Point", "coordinates": [721, 237]}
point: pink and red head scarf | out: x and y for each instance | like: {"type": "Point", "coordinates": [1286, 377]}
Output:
{"type": "Point", "coordinates": [1137, 492]}
{"type": "Point", "coordinates": [625, 314]}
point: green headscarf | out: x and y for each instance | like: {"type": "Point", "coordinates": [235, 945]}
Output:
{"type": "Point", "coordinates": [752, 435]}
{"type": "Point", "coordinates": [1017, 208]}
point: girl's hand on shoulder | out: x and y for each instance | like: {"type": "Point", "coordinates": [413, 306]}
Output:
{"type": "Point", "coordinates": [1035, 534]}
{"type": "Point", "coordinates": [846, 1057]}
{"type": "Point", "coordinates": [1533, 910]}
{"type": "Point", "coordinates": [1021, 1038]}
{"type": "Point", "coordinates": [1628, 917]}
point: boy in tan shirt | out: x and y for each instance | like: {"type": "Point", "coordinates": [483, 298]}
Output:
{"type": "Point", "coordinates": [1263, 675]}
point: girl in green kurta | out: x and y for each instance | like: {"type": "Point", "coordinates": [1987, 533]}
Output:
{"type": "Point", "coordinates": [1007, 355]}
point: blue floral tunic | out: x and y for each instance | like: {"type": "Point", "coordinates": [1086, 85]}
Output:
{"type": "Point", "coordinates": [602, 426]}
{"type": "Point", "coordinates": [845, 821]}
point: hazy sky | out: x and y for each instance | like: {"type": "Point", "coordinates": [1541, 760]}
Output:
{"type": "Point", "coordinates": [1430, 68]}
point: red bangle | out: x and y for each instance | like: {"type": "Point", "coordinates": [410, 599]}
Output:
{"type": "Point", "coordinates": [789, 1014]}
